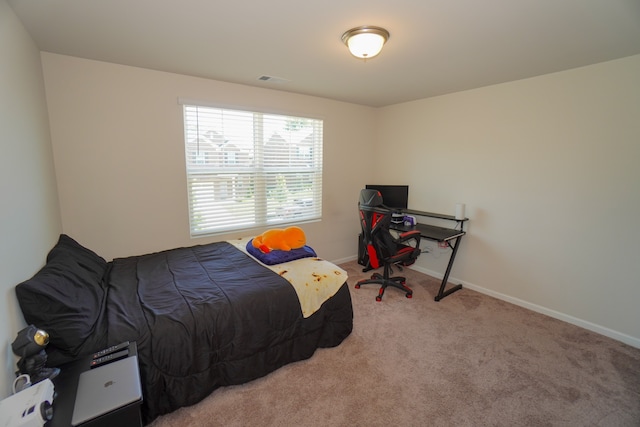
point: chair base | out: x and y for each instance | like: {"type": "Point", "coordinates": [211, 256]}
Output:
{"type": "Point", "coordinates": [385, 282]}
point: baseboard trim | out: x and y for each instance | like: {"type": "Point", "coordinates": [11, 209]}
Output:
{"type": "Point", "coordinates": [343, 260]}
{"type": "Point", "coordinates": [618, 336]}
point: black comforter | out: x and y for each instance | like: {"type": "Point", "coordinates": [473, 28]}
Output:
{"type": "Point", "coordinates": [202, 317]}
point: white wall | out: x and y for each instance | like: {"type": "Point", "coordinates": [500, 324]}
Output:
{"type": "Point", "coordinates": [545, 165]}
{"type": "Point", "coordinates": [29, 217]}
{"type": "Point", "coordinates": [548, 169]}
{"type": "Point", "coordinates": [118, 146]}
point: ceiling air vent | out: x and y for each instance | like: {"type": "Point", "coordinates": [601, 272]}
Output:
{"type": "Point", "coordinates": [272, 79]}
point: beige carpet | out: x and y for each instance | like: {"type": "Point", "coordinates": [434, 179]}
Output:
{"type": "Point", "coordinates": [468, 360]}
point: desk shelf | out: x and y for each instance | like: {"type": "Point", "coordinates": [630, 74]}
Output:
{"type": "Point", "coordinates": [433, 215]}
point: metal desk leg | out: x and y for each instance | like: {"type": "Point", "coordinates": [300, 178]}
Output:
{"type": "Point", "coordinates": [442, 293]}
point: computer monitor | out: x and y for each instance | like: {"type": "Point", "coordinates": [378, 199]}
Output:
{"type": "Point", "coordinates": [393, 196]}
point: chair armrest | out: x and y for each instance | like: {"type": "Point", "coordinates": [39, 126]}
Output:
{"type": "Point", "coordinates": [409, 235]}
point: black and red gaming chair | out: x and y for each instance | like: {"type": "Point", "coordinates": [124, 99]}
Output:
{"type": "Point", "coordinates": [383, 249]}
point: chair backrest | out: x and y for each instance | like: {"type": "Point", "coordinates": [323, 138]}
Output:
{"type": "Point", "coordinates": [375, 219]}
{"type": "Point", "coordinates": [371, 198]}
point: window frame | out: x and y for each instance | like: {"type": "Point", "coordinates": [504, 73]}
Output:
{"type": "Point", "coordinates": [299, 171]}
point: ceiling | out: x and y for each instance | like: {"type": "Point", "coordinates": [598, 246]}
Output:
{"type": "Point", "coordinates": [436, 46]}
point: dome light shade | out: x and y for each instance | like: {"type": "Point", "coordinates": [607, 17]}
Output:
{"type": "Point", "coordinates": [365, 42]}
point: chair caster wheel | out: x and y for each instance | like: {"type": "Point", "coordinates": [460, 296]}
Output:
{"type": "Point", "coordinates": [357, 286]}
{"type": "Point", "coordinates": [409, 295]}
{"type": "Point", "coordinates": [378, 298]}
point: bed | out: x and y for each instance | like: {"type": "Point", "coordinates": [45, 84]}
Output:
{"type": "Point", "coordinates": [203, 317]}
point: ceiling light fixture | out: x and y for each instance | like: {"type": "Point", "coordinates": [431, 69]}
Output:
{"type": "Point", "coordinates": [365, 42]}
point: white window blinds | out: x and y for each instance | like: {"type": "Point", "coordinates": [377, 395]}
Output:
{"type": "Point", "coordinates": [249, 169]}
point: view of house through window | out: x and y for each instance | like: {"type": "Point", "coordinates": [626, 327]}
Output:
{"type": "Point", "coordinates": [249, 169]}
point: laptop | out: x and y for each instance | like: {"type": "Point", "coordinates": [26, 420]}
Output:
{"type": "Point", "coordinates": [105, 389]}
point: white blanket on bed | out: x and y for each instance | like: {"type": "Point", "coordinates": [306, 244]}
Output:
{"type": "Point", "coordinates": [314, 280]}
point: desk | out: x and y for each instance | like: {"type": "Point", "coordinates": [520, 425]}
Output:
{"type": "Point", "coordinates": [450, 236]}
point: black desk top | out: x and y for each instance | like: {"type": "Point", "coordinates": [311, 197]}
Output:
{"type": "Point", "coordinates": [431, 232]}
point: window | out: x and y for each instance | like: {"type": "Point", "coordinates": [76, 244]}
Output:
{"type": "Point", "coordinates": [250, 169]}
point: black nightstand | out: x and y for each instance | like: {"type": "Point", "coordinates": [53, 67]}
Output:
{"type": "Point", "coordinates": [66, 387]}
